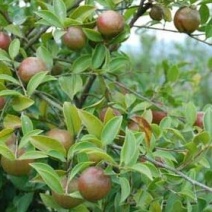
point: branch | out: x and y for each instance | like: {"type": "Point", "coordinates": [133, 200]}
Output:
{"type": "Point", "coordinates": [181, 174]}
{"type": "Point", "coordinates": [141, 10]}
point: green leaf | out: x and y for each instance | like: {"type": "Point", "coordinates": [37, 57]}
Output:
{"type": "Point", "coordinates": [81, 64]}
{"type": "Point", "coordinates": [5, 133]}
{"type": "Point", "coordinates": [11, 121]}
{"type": "Point", "coordinates": [49, 201]}
{"type": "Point", "coordinates": [118, 63]}
{"type": "Point", "coordinates": [33, 155]}
{"type": "Point", "coordinates": [98, 56]}
{"type": "Point", "coordinates": [26, 124]}
{"type": "Point", "coordinates": [45, 55]}
{"type": "Point", "coordinates": [143, 169]}
{"type": "Point", "coordinates": [190, 113]}
{"type": "Point", "coordinates": [49, 175]}
{"type": "Point", "coordinates": [15, 30]}
{"type": "Point", "coordinates": [129, 148]}
{"type": "Point", "coordinates": [46, 144]}
{"type": "Point", "coordinates": [208, 121]}
{"type": "Point", "coordinates": [37, 80]}
{"type": "Point", "coordinates": [60, 9]}
{"type": "Point", "coordinates": [125, 188]}
{"type": "Point", "coordinates": [82, 12]}
{"type": "Point", "coordinates": [4, 56]}
{"type": "Point", "coordinates": [14, 48]}
{"type": "Point", "coordinates": [92, 123]}
{"type": "Point", "coordinates": [50, 18]}
{"type": "Point", "coordinates": [111, 130]}
{"type": "Point", "coordinates": [93, 35]}
{"type": "Point", "coordinates": [6, 152]}
{"type": "Point", "coordinates": [72, 119]}
{"type": "Point", "coordinates": [9, 78]}
{"type": "Point", "coordinates": [71, 85]}
{"type": "Point", "coordinates": [21, 103]}
{"type": "Point", "coordinates": [9, 93]}
{"type": "Point", "coordinates": [26, 138]}
{"type": "Point", "coordinates": [78, 168]}
{"type": "Point", "coordinates": [172, 74]}
{"type": "Point", "coordinates": [204, 13]}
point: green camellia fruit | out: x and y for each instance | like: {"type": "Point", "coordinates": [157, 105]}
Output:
{"type": "Point", "coordinates": [63, 136]}
{"type": "Point", "coordinates": [29, 67]}
{"type": "Point", "coordinates": [110, 23]}
{"type": "Point", "coordinates": [156, 13]}
{"type": "Point", "coordinates": [65, 200]}
{"type": "Point", "coordinates": [93, 184]}
{"type": "Point", "coordinates": [16, 167]}
{"type": "Point", "coordinates": [187, 19]}
{"type": "Point", "coordinates": [74, 38]}
{"type": "Point", "coordinates": [4, 41]}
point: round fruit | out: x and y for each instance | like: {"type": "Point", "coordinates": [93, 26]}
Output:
{"type": "Point", "coordinates": [16, 167]}
{"type": "Point", "coordinates": [157, 116]}
{"type": "Point", "coordinates": [187, 19]}
{"type": "Point", "coordinates": [61, 135]}
{"type": "Point", "coordinates": [156, 13]}
{"type": "Point", "coordinates": [110, 23]}
{"type": "Point", "coordinates": [2, 102]}
{"type": "Point", "coordinates": [4, 41]}
{"type": "Point", "coordinates": [29, 67]}
{"type": "Point", "coordinates": [64, 200]}
{"type": "Point", "coordinates": [94, 184]}
{"type": "Point", "coordinates": [74, 38]}
{"type": "Point", "coordinates": [199, 119]}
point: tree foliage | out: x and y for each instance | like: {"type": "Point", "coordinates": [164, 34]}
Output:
{"type": "Point", "coordinates": [138, 124]}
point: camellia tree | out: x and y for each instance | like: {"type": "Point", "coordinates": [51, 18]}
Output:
{"type": "Point", "coordinates": [78, 131]}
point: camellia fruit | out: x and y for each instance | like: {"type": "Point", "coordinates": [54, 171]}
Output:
{"type": "Point", "coordinates": [4, 41]}
{"type": "Point", "coordinates": [63, 136]}
{"type": "Point", "coordinates": [29, 67]}
{"type": "Point", "coordinates": [74, 38]}
{"type": "Point", "coordinates": [199, 119]}
{"type": "Point", "coordinates": [65, 200]}
{"type": "Point", "coordinates": [157, 116]}
{"type": "Point", "coordinates": [16, 167]}
{"type": "Point", "coordinates": [93, 184]}
{"type": "Point", "coordinates": [156, 13]}
{"type": "Point", "coordinates": [110, 23]}
{"type": "Point", "coordinates": [187, 19]}
{"type": "Point", "coordinates": [2, 102]}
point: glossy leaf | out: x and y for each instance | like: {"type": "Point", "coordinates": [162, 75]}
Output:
{"type": "Point", "coordinates": [91, 122]}
{"type": "Point", "coordinates": [98, 56]}
{"type": "Point", "coordinates": [49, 201]}
{"type": "Point", "coordinates": [9, 78]}
{"type": "Point", "coordinates": [4, 56]}
{"type": "Point", "coordinates": [72, 118]}
{"type": "Point", "coordinates": [125, 188]}
{"type": "Point", "coordinates": [6, 152]}
{"type": "Point", "coordinates": [45, 55]}
{"type": "Point", "coordinates": [26, 124]}
{"type": "Point", "coordinates": [190, 113]}
{"type": "Point", "coordinates": [93, 35]}
{"type": "Point", "coordinates": [143, 169]}
{"type": "Point", "coordinates": [111, 130]}
{"type": "Point", "coordinates": [21, 103]}
{"type": "Point", "coordinates": [33, 155]}
{"type": "Point", "coordinates": [81, 64]}
{"type": "Point", "coordinates": [49, 175]}
{"type": "Point", "coordinates": [208, 121]}
{"type": "Point", "coordinates": [12, 121]}
{"type": "Point", "coordinates": [14, 48]}
{"type": "Point", "coordinates": [59, 9]}
{"type": "Point", "coordinates": [46, 144]}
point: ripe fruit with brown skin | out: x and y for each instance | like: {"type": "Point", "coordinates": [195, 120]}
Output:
{"type": "Point", "coordinates": [16, 167]}
{"type": "Point", "coordinates": [199, 119]}
{"type": "Point", "coordinates": [64, 200]}
{"type": "Point", "coordinates": [4, 40]}
{"type": "Point", "coordinates": [156, 13]}
{"type": "Point", "coordinates": [29, 67]}
{"type": "Point", "coordinates": [157, 116]}
{"type": "Point", "coordinates": [187, 19]}
{"type": "Point", "coordinates": [94, 184]}
{"type": "Point", "coordinates": [63, 136]}
{"type": "Point", "coordinates": [110, 23]}
{"type": "Point", "coordinates": [74, 38]}
{"type": "Point", "coordinates": [2, 102]}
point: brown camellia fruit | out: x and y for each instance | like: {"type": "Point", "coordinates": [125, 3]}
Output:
{"type": "Point", "coordinates": [187, 19]}
{"type": "Point", "coordinates": [64, 200]}
{"type": "Point", "coordinates": [16, 167]}
{"type": "Point", "coordinates": [4, 40]}
{"type": "Point", "coordinates": [156, 13]}
{"type": "Point", "coordinates": [93, 184]}
{"type": "Point", "coordinates": [29, 67]}
{"type": "Point", "coordinates": [110, 23]}
{"type": "Point", "coordinates": [157, 116]}
{"type": "Point", "coordinates": [74, 38]}
{"type": "Point", "coordinates": [2, 102]}
{"type": "Point", "coordinates": [199, 119]}
{"type": "Point", "coordinates": [63, 136]}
